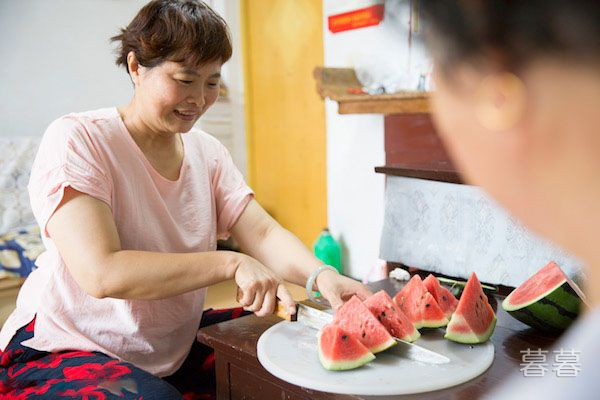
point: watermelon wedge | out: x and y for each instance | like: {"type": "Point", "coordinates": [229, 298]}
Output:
{"type": "Point", "coordinates": [474, 319]}
{"type": "Point", "coordinates": [419, 305]}
{"type": "Point", "coordinates": [444, 298]}
{"type": "Point", "coordinates": [387, 312]}
{"type": "Point", "coordinates": [338, 350]}
{"type": "Point", "coordinates": [356, 319]}
{"type": "Point", "coordinates": [547, 301]}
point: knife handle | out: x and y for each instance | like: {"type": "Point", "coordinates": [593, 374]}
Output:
{"type": "Point", "coordinates": [280, 310]}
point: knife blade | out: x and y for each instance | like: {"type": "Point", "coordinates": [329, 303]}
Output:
{"type": "Point", "coordinates": [316, 319]}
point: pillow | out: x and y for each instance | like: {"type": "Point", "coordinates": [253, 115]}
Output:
{"type": "Point", "coordinates": [19, 249]}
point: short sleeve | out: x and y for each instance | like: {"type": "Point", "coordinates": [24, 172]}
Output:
{"type": "Point", "coordinates": [232, 194]}
{"type": "Point", "coordinates": [66, 157]}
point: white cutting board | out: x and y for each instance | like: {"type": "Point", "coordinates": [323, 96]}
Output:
{"type": "Point", "coordinates": [288, 350]}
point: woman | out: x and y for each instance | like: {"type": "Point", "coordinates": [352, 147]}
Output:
{"type": "Point", "coordinates": [131, 201]}
{"type": "Point", "coordinates": [517, 103]}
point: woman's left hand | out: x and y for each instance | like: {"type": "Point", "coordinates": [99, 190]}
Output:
{"type": "Point", "coordinates": [337, 289]}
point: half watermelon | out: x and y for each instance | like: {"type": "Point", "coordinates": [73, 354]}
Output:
{"type": "Point", "coordinates": [356, 319]}
{"type": "Point", "coordinates": [339, 350]}
{"type": "Point", "coordinates": [474, 319]}
{"type": "Point", "coordinates": [387, 312]}
{"type": "Point", "coordinates": [419, 305]}
{"type": "Point", "coordinates": [444, 298]}
{"type": "Point", "coordinates": [547, 301]}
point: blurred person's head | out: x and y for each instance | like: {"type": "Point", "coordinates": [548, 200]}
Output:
{"type": "Point", "coordinates": [517, 103]}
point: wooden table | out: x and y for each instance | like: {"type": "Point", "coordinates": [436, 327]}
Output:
{"type": "Point", "coordinates": [241, 376]}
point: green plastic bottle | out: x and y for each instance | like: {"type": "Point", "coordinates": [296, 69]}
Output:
{"type": "Point", "coordinates": [328, 250]}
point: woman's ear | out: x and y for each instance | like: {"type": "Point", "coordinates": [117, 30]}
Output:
{"type": "Point", "coordinates": [500, 102]}
{"type": "Point", "coordinates": [133, 67]}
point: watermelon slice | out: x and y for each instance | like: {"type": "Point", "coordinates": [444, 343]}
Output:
{"type": "Point", "coordinates": [356, 319]}
{"type": "Point", "coordinates": [387, 312]}
{"type": "Point", "coordinates": [547, 301]}
{"type": "Point", "coordinates": [338, 350]}
{"type": "Point", "coordinates": [474, 319]}
{"type": "Point", "coordinates": [444, 298]}
{"type": "Point", "coordinates": [419, 305]}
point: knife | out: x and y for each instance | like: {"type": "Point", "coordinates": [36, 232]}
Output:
{"type": "Point", "coordinates": [317, 318]}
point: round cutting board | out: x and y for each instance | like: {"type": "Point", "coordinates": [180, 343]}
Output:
{"type": "Point", "coordinates": [288, 350]}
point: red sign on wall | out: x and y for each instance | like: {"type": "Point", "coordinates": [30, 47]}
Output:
{"type": "Point", "coordinates": [358, 18]}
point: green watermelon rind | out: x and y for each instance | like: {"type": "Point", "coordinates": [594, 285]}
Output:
{"type": "Point", "coordinates": [553, 311]}
{"type": "Point", "coordinates": [412, 338]}
{"type": "Point", "coordinates": [437, 323]}
{"type": "Point", "coordinates": [384, 346]}
{"type": "Point", "coordinates": [345, 365]}
{"type": "Point", "coordinates": [468, 338]}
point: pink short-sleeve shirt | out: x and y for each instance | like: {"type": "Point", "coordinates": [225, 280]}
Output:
{"type": "Point", "coordinates": [93, 153]}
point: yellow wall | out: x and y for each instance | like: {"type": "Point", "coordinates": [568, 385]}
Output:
{"type": "Point", "coordinates": [285, 118]}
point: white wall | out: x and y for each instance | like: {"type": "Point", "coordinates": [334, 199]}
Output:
{"type": "Point", "coordinates": [355, 143]}
{"type": "Point", "coordinates": [57, 58]}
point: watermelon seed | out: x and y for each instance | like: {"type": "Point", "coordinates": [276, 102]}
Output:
{"type": "Point", "coordinates": [364, 334]}
{"type": "Point", "coordinates": [427, 305]}
{"type": "Point", "coordinates": [344, 337]}
{"type": "Point", "coordinates": [444, 298]}
{"type": "Point", "coordinates": [379, 318]}
{"type": "Point", "coordinates": [383, 313]}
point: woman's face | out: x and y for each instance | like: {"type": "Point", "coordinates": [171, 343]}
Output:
{"type": "Point", "coordinates": [174, 96]}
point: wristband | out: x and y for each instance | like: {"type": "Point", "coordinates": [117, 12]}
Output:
{"type": "Point", "coordinates": [311, 281]}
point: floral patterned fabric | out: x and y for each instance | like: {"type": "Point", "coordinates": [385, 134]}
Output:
{"type": "Point", "coordinates": [20, 241]}
{"type": "Point", "coordinates": [18, 251]}
{"type": "Point", "coordinates": [16, 157]}
{"type": "Point", "coordinates": [27, 373]}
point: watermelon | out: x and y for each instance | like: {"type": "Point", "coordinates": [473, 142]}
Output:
{"type": "Point", "coordinates": [547, 301]}
{"type": "Point", "coordinates": [356, 319]}
{"type": "Point", "coordinates": [387, 312]}
{"type": "Point", "coordinates": [444, 298]}
{"type": "Point", "coordinates": [339, 350]}
{"type": "Point", "coordinates": [474, 319]}
{"type": "Point", "coordinates": [419, 305]}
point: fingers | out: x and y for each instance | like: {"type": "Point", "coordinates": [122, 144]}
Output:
{"type": "Point", "coordinates": [268, 303]}
{"type": "Point", "coordinates": [363, 292]}
{"type": "Point", "coordinates": [286, 298]}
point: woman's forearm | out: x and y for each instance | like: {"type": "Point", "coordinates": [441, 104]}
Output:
{"type": "Point", "coordinates": [129, 274]}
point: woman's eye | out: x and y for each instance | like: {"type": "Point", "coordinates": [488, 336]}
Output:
{"type": "Point", "coordinates": [213, 84]}
{"type": "Point", "coordinates": [185, 82]}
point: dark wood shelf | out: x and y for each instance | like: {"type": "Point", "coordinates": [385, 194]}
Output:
{"type": "Point", "coordinates": [342, 85]}
{"type": "Point", "coordinates": [434, 171]}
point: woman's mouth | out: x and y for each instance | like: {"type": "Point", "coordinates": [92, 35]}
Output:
{"type": "Point", "coordinates": [186, 115]}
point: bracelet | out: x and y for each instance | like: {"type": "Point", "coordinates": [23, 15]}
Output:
{"type": "Point", "coordinates": [311, 281]}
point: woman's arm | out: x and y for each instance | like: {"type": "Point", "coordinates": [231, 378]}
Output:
{"type": "Point", "coordinates": [260, 236]}
{"type": "Point", "coordinates": [85, 234]}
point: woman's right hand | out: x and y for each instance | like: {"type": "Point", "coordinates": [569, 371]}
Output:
{"type": "Point", "coordinates": [261, 287]}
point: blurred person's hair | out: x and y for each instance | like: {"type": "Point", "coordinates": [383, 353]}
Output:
{"type": "Point", "coordinates": [510, 34]}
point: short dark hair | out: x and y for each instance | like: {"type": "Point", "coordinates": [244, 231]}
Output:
{"type": "Point", "coordinates": [512, 33]}
{"type": "Point", "coordinates": [185, 31]}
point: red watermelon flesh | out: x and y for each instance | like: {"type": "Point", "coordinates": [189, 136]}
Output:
{"type": "Point", "coordinates": [339, 350]}
{"type": "Point", "coordinates": [474, 319]}
{"type": "Point", "coordinates": [387, 312]}
{"type": "Point", "coordinates": [419, 305]}
{"type": "Point", "coordinates": [356, 319]}
{"type": "Point", "coordinates": [444, 298]}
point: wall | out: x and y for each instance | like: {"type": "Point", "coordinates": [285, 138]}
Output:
{"type": "Point", "coordinates": [355, 143]}
{"type": "Point", "coordinates": [57, 58]}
